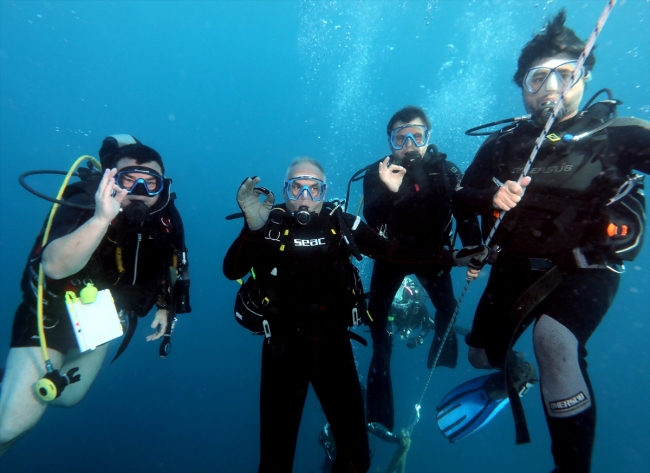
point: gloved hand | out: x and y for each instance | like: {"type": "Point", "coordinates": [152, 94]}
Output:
{"type": "Point", "coordinates": [473, 256]}
{"type": "Point", "coordinates": [256, 212]}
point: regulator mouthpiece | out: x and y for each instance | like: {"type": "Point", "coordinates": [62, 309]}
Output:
{"type": "Point", "coordinates": [303, 216]}
{"type": "Point", "coordinates": [50, 386]}
{"type": "Point", "coordinates": [544, 112]}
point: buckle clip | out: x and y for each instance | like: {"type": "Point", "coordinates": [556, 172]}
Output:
{"type": "Point", "coordinates": [267, 329]}
{"type": "Point", "coordinates": [355, 317]}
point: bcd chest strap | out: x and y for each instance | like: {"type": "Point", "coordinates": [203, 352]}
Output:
{"type": "Point", "coordinates": [258, 306]}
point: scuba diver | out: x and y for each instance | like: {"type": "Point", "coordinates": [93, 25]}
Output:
{"type": "Point", "coordinates": [307, 292]}
{"type": "Point", "coordinates": [408, 199]}
{"type": "Point", "coordinates": [116, 230]}
{"type": "Point", "coordinates": [408, 313]}
{"type": "Point", "coordinates": [558, 255]}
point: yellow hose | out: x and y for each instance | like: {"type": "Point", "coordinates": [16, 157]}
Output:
{"type": "Point", "coordinates": [46, 234]}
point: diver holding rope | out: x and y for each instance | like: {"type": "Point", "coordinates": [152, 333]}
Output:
{"type": "Point", "coordinates": [559, 253]}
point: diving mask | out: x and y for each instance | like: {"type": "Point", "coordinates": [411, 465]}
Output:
{"type": "Point", "coordinates": [558, 76]}
{"type": "Point", "coordinates": [418, 134]}
{"type": "Point", "coordinates": [314, 187]}
{"type": "Point", "coordinates": [130, 178]}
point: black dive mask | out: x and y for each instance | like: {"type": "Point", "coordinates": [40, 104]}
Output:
{"type": "Point", "coordinates": [544, 112]}
{"type": "Point", "coordinates": [137, 211]}
{"type": "Point", "coordinates": [302, 216]}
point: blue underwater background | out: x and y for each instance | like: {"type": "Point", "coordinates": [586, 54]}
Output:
{"type": "Point", "coordinates": [229, 89]}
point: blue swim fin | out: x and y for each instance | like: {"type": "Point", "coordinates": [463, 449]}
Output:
{"type": "Point", "coordinates": [473, 404]}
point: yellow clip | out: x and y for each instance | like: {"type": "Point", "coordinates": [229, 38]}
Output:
{"type": "Point", "coordinates": [70, 297]}
{"type": "Point", "coordinates": [553, 137]}
{"type": "Point", "coordinates": [281, 247]}
{"type": "Point", "coordinates": [286, 232]}
{"type": "Point", "coordinates": [333, 231]}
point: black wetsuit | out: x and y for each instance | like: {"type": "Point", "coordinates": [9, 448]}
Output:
{"type": "Point", "coordinates": [560, 223]}
{"type": "Point", "coordinates": [141, 280]}
{"type": "Point", "coordinates": [419, 213]}
{"type": "Point", "coordinates": [307, 270]}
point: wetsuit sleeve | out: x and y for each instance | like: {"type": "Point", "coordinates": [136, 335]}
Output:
{"type": "Point", "coordinates": [371, 244]}
{"type": "Point", "coordinates": [242, 253]}
{"type": "Point", "coordinates": [630, 139]}
{"type": "Point", "coordinates": [468, 227]}
{"type": "Point", "coordinates": [473, 196]}
{"type": "Point", "coordinates": [376, 198]}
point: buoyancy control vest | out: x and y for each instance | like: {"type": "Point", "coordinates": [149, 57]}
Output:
{"type": "Point", "coordinates": [421, 209]}
{"type": "Point", "coordinates": [136, 262]}
{"type": "Point", "coordinates": [578, 198]}
{"type": "Point", "coordinates": [303, 280]}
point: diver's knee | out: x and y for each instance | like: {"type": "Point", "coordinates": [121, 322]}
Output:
{"type": "Point", "coordinates": [554, 343]}
{"type": "Point", "coordinates": [564, 388]}
{"type": "Point", "coordinates": [478, 358]}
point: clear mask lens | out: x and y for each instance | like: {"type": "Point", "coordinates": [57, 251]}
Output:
{"type": "Point", "coordinates": [305, 186]}
{"type": "Point", "coordinates": [556, 78]}
{"type": "Point", "coordinates": [417, 135]}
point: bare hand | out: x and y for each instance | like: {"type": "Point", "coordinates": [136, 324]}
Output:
{"type": "Point", "coordinates": [509, 195]}
{"type": "Point", "coordinates": [391, 174]}
{"type": "Point", "coordinates": [160, 324]}
{"type": "Point", "coordinates": [108, 197]}
{"type": "Point", "coordinates": [472, 273]}
{"type": "Point", "coordinates": [248, 198]}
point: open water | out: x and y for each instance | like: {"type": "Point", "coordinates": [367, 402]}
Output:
{"type": "Point", "coordinates": [229, 89]}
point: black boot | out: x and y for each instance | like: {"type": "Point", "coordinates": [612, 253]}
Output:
{"type": "Point", "coordinates": [523, 374]}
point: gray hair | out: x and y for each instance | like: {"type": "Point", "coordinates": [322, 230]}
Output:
{"type": "Point", "coordinates": [305, 160]}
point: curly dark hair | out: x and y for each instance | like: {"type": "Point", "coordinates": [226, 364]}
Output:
{"type": "Point", "coordinates": [553, 40]}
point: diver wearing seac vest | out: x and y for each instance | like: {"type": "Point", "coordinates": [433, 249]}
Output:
{"type": "Point", "coordinates": [560, 245]}
{"type": "Point", "coordinates": [300, 254]}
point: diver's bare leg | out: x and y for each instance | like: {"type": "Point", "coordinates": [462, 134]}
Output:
{"type": "Point", "coordinates": [20, 408]}
{"type": "Point", "coordinates": [89, 364]}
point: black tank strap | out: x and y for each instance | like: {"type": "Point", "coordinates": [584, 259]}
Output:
{"type": "Point", "coordinates": [519, 317]}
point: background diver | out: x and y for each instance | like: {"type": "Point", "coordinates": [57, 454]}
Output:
{"type": "Point", "coordinates": [408, 199]}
